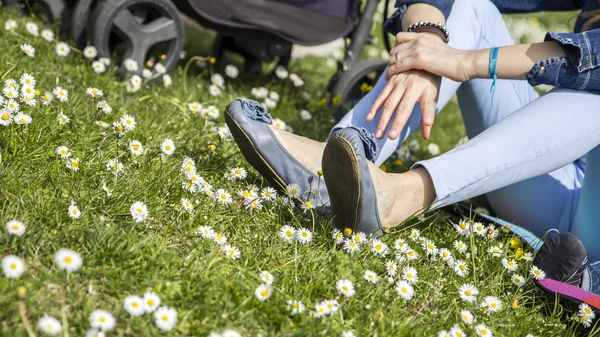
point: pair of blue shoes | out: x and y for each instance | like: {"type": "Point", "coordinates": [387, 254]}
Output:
{"type": "Point", "coordinates": [347, 190]}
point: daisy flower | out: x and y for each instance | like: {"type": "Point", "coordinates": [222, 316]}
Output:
{"type": "Point", "coordinates": [15, 227]}
{"type": "Point", "coordinates": [114, 166]}
{"type": "Point", "coordinates": [479, 229]}
{"type": "Point", "coordinates": [260, 92]}
{"type": "Point", "coordinates": [268, 193]}
{"type": "Point", "coordinates": [219, 239]}
{"type": "Point", "coordinates": [62, 119]}
{"type": "Point", "coordinates": [445, 254]}
{"type": "Point", "coordinates": [10, 25]}
{"type": "Point", "coordinates": [28, 50]}
{"type": "Point", "coordinates": [511, 264]}
{"type": "Point", "coordinates": [167, 80]}
{"type": "Point", "coordinates": [295, 307]}
{"type": "Point", "coordinates": [206, 232]}
{"type": "Point", "coordinates": [527, 256]}
{"type": "Point", "coordinates": [337, 236]}
{"type": "Point", "coordinates": [13, 266]}
{"type": "Point", "coordinates": [27, 79]}
{"type": "Point", "coordinates": [345, 287]}
{"type": "Point", "coordinates": [230, 333]}
{"type": "Point", "coordinates": [434, 149]}
{"type": "Point", "coordinates": [5, 117]}
{"type": "Point", "coordinates": [211, 112]}
{"type": "Point", "coordinates": [129, 123]}
{"type": "Point", "coordinates": [231, 252]}
{"type": "Point", "coordinates": [217, 79]}
{"type": "Point", "coordinates": [463, 228]}
{"type": "Point", "coordinates": [461, 268]}
{"type": "Point", "coordinates": [131, 65]}
{"type": "Point", "coordinates": [400, 245]}
{"type": "Point", "coordinates": [62, 49]}
{"type": "Point", "coordinates": [468, 292]}
{"type": "Point", "coordinates": [105, 60]}
{"type": "Point", "coordinates": [160, 68]}
{"type": "Point", "coordinates": [223, 196]}
{"type": "Point", "coordinates": [267, 277]}
{"type": "Point", "coordinates": [286, 233]}
{"type": "Point", "coordinates": [94, 92]}
{"type": "Point", "coordinates": [214, 90]}
{"type": "Point", "coordinates": [22, 119]}
{"type": "Point", "coordinates": [136, 148]}
{"type": "Point", "coordinates": [68, 260]}
{"type": "Point", "coordinates": [359, 237]}
{"type": "Point", "coordinates": [585, 310]}
{"type": "Point", "coordinates": [415, 234]}
{"type": "Point", "coordinates": [98, 67]}
{"type": "Point", "coordinates": [187, 205]}
{"type": "Point", "coordinates": [10, 92]}
{"type": "Point", "coordinates": [134, 305]}
{"type": "Point", "coordinates": [411, 255]}
{"type": "Point", "coordinates": [495, 251]}
{"type": "Point", "coordinates": [405, 290]}
{"type": "Point", "coordinates": [73, 164]}
{"type": "Point", "coordinates": [281, 72]}
{"type": "Point", "coordinates": [271, 104]}
{"type": "Point", "coordinates": [466, 316]}
{"type": "Point", "coordinates": [32, 28]}
{"type": "Point", "coordinates": [188, 186]}
{"type": "Point", "coordinates": [460, 246]}
{"type": "Point", "coordinates": [239, 172]}
{"type": "Point", "coordinates": [165, 318]}
{"type": "Point", "coordinates": [74, 211]}
{"type": "Point", "coordinates": [430, 248]}
{"type": "Point", "coordinates": [443, 333]}
{"type": "Point", "coordinates": [151, 302]}
{"type": "Point", "coordinates": [90, 52]}
{"type": "Point", "coordinates": [370, 276]}
{"type": "Point", "coordinates": [350, 246]}
{"type": "Point", "coordinates": [348, 333]}
{"type": "Point", "coordinates": [47, 98]}
{"type": "Point", "coordinates": [278, 123]}
{"type": "Point", "coordinates": [483, 331]}
{"type": "Point", "coordinates": [456, 331]}
{"type": "Point", "coordinates": [585, 320]}
{"type": "Point", "coordinates": [231, 71]}
{"type": "Point", "coordinates": [391, 268]}
{"type": "Point", "coordinates": [50, 325]}
{"type": "Point", "coordinates": [252, 204]}
{"type": "Point", "coordinates": [195, 178]}
{"type": "Point", "coordinates": [491, 304]}
{"type": "Point", "coordinates": [105, 188]}
{"type": "Point", "coordinates": [305, 115]}
{"type": "Point", "coordinates": [537, 273]}
{"type": "Point", "coordinates": [28, 90]}
{"type": "Point", "coordinates": [306, 206]}
{"type": "Point", "coordinates": [139, 211]}
{"type": "Point", "coordinates": [321, 310]}
{"type": "Point", "coordinates": [303, 235]}
{"type": "Point", "coordinates": [167, 147]}
{"type": "Point", "coordinates": [518, 280]}
{"type": "Point", "coordinates": [378, 247]}
{"type": "Point", "coordinates": [224, 132]}
{"type": "Point", "coordinates": [195, 107]}
{"type": "Point", "coordinates": [61, 94]}
{"type": "Point", "coordinates": [263, 292]}
{"type": "Point", "coordinates": [332, 306]}
{"type": "Point", "coordinates": [12, 106]}
{"type": "Point", "coordinates": [410, 275]}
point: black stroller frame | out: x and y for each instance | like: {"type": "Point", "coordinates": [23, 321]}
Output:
{"type": "Point", "coordinates": [143, 24]}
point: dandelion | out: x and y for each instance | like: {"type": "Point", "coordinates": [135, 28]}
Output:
{"type": "Point", "coordinates": [405, 290]}
{"type": "Point", "coordinates": [10, 25]}
{"type": "Point", "coordinates": [495, 251]}
{"type": "Point", "coordinates": [410, 275]}
{"type": "Point", "coordinates": [350, 246]}
{"type": "Point", "coordinates": [28, 50]}
{"type": "Point", "coordinates": [165, 318]}
{"type": "Point", "coordinates": [391, 268]}
{"type": "Point", "coordinates": [167, 147]}
{"type": "Point", "coordinates": [483, 331]}
{"type": "Point", "coordinates": [98, 67]}
{"type": "Point", "coordinates": [345, 287]}
{"type": "Point", "coordinates": [468, 292]}
{"type": "Point", "coordinates": [68, 260]}
{"type": "Point", "coordinates": [263, 292]}
{"type": "Point", "coordinates": [511, 265]}
{"type": "Point", "coordinates": [460, 246]}
{"type": "Point", "coordinates": [167, 80]}
{"type": "Point", "coordinates": [518, 280]}
{"type": "Point", "coordinates": [129, 123]}
{"type": "Point", "coordinates": [114, 166]}
{"type": "Point", "coordinates": [214, 90]}
{"type": "Point", "coordinates": [231, 71]}
{"type": "Point", "coordinates": [61, 94]}
{"type": "Point", "coordinates": [62, 119]}
{"type": "Point", "coordinates": [22, 119]}
{"type": "Point", "coordinates": [303, 235]}
{"type": "Point", "coordinates": [134, 305]}
{"type": "Point", "coordinates": [370, 276]}
{"type": "Point", "coordinates": [74, 211]}
{"type": "Point", "coordinates": [15, 227]}
{"type": "Point", "coordinates": [479, 229]}
{"type": "Point", "coordinates": [73, 164]}
{"type": "Point", "coordinates": [466, 316]}
{"type": "Point", "coordinates": [231, 252]}
{"type": "Point", "coordinates": [219, 239]}
{"type": "Point", "coordinates": [187, 205]}
{"type": "Point", "coordinates": [139, 211]}
{"type": "Point", "coordinates": [491, 304]}
{"type": "Point", "coordinates": [136, 148]}
{"type": "Point", "coordinates": [131, 65]}
{"type": "Point", "coordinates": [461, 268]}
{"type": "Point", "coordinates": [13, 266]}
{"type": "Point", "coordinates": [378, 247]}
{"type": "Point", "coordinates": [537, 273]}
{"type": "Point", "coordinates": [151, 302]}
{"type": "Point", "coordinates": [50, 325]}
{"type": "Point", "coordinates": [295, 307]}
{"type": "Point", "coordinates": [62, 49]}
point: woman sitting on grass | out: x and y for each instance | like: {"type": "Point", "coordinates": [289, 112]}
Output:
{"type": "Point", "coordinates": [528, 154]}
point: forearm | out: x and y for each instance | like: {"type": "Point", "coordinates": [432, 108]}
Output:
{"type": "Point", "coordinates": [422, 12]}
{"type": "Point", "coordinates": [514, 62]}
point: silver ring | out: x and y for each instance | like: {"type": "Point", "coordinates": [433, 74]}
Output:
{"type": "Point", "coordinates": [397, 58]}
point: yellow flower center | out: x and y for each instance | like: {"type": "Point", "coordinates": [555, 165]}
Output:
{"type": "Point", "coordinates": [13, 266]}
{"type": "Point", "coordinates": [511, 263]}
{"type": "Point", "coordinates": [304, 234]}
{"type": "Point", "coordinates": [15, 227]}
{"type": "Point", "coordinates": [150, 302]}
{"type": "Point", "coordinates": [289, 233]}
{"type": "Point", "coordinates": [238, 172]}
{"type": "Point", "coordinates": [9, 94]}
{"type": "Point", "coordinates": [223, 196]}
{"type": "Point", "coordinates": [409, 276]}
{"type": "Point", "coordinates": [136, 147]}
{"type": "Point", "coordinates": [345, 288]}
{"type": "Point", "coordinates": [75, 164]}
{"type": "Point", "coordinates": [119, 128]}
{"type": "Point", "coordinates": [494, 305]}
{"type": "Point", "coordinates": [168, 147]}
{"type": "Point", "coordinates": [308, 204]}
{"type": "Point", "coordinates": [404, 290]}
{"type": "Point", "coordinates": [5, 117]}
{"type": "Point", "coordinates": [378, 246]}
{"type": "Point", "coordinates": [140, 211]}
{"type": "Point", "coordinates": [134, 304]}
{"type": "Point", "coordinates": [102, 320]}
{"type": "Point", "coordinates": [293, 191]}
{"type": "Point", "coordinates": [462, 267]}
{"type": "Point", "coordinates": [430, 246]}
{"type": "Point", "coordinates": [22, 120]}
{"type": "Point", "coordinates": [468, 292]}
{"type": "Point", "coordinates": [74, 211]}
{"type": "Point", "coordinates": [165, 318]}
{"type": "Point", "coordinates": [68, 259]}
{"type": "Point", "coordinates": [264, 293]}
{"type": "Point", "coordinates": [295, 305]}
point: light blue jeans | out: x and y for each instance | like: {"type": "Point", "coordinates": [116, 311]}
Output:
{"type": "Point", "coordinates": [529, 154]}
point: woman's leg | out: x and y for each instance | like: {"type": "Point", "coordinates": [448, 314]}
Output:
{"type": "Point", "coordinates": [587, 219]}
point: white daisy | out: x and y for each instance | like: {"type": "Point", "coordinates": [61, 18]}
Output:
{"type": "Point", "coordinates": [537, 273]}
{"type": "Point", "coordinates": [281, 72]}
{"type": "Point", "coordinates": [460, 246]}
{"type": "Point", "coordinates": [260, 92]}
{"type": "Point", "coordinates": [12, 106]}
{"type": "Point", "coordinates": [332, 306]}
{"type": "Point", "coordinates": [10, 25]}
{"type": "Point", "coordinates": [518, 280]}
{"type": "Point", "coordinates": [456, 331]}
{"type": "Point", "coordinates": [491, 304]}
{"type": "Point", "coordinates": [483, 331]}
{"type": "Point", "coordinates": [527, 256]}
{"type": "Point", "coordinates": [139, 211]}
{"type": "Point", "coordinates": [114, 166]}
{"type": "Point", "coordinates": [167, 147]}
{"type": "Point", "coordinates": [62, 119]}
{"type": "Point", "coordinates": [303, 235]}
{"type": "Point", "coordinates": [165, 318]}
{"type": "Point", "coordinates": [219, 239]}
{"type": "Point", "coordinates": [68, 260]}
{"type": "Point", "coordinates": [278, 123]}
{"type": "Point", "coordinates": [229, 333]}
{"type": "Point", "coordinates": [307, 206]}
{"type": "Point", "coordinates": [415, 234]}
{"type": "Point", "coordinates": [90, 52]}
{"type": "Point", "coordinates": [98, 67]}
{"type": "Point", "coordinates": [136, 148]}
{"type": "Point", "coordinates": [378, 247]}
{"type": "Point", "coordinates": [479, 229]}
{"type": "Point", "coordinates": [134, 305]}
{"type": "Point", "coordinates": [585, 310]}
{"type": "Point", "coordinates": [443, 333]}
{"type": "Point", "coordinates": [274, 96]}
{"type": "Point", "coordinates": [350, 246]}
{"type": "Point", "coordinates": [73, 164]}
{"type": "Point", "coordinates": [263, 292]}
{"type": "Point", "coordinates": [511, 264]}
{"type": "Point", "coordinates": [271, 104]}
{"type": "Point", "coordinates": [461, 268]}
{"type": "Point", "coordinates": [62, 49]}
{"type": "Point", "coordinates": [239, 173]}
{"type": "Point", "coordinates": [286, 233]}
{"type": "Point", "coordinates": [218, 80]}
{"type": "Point", "coordinates": [224, 132]}
{"type": "Point", "coordinates": [32, 28]}
{"type": "Point", "coordinates": [94, 92]}
{"type": "Point", "coordinates": [22, 119]}
{"type": "Point", "coordinates": [160, 68]}
{"type": "Point", "coordinates": [94, 333]}
{"type": "Point", "coordinates": [214, 90]}
{"type": "Point", "coordinates": [468, 292]}
{"type": "Point", "coordinates": [187, 205]}
{"type": "Point", "coordinates": [410, 275]}
{"type": "Point", "coordinates": [585, 321]}
{"type": "Point", "coordinates": [211, 112]}
{"type": "Point", "coordinates": [151, 302]}
{"type": "Point", "coordinates": [195, 107]}
{"type": "Point", "coordinates": [370, 276]}
{"type": "Point", "coordinates": [467, 317]}
{"type": "Point", "coordinates": [5, 117]}
{"type": "Point", "coordinates": [391, 268]}
{"type": "Point", "coordinates": [131, 65]}
{"type": "Point", "coordinates": [27, 80]}
{"type": "Point", "coordinates": [223, 196]}
{"type": "Point", "coordinates": [405, 290]}
{"type": "Point", "coordinates": [167, 80]}
{"type": "Point", "coordinates": [495, 251]}
{"type": "Point", "coordinates": [231, 71]}
{"type": "Point", "coordinates": [105, 60]}
{"type": "Point", "coordinates": [50, 325]}
{"type": "Point", "coordinates": [28, 50]}
{"type": "Point", "coordinates": [305, 115]}
{"type": "Point", "coordinates": [15, 227]}
{"type": "Point", "coordinates": [267, 277]}
{"type": "Point", "coordinates": [128, 122]}
{"type": "Point", "coordinates": [345, 287]}
{"type": "Point", "coordinates": [430, 248]}
{"type": "Point", "coordinates": [47, 98]}
{"type": "Point", "coordinates": [359, 237]}
{"type": "Point", "coordinates": [269, 194]}
{"type": "Point", "coordinates": [206, 232]}
{"type": "Point", "coordinates": [74, 211]}
{"type": "Point", "coordinates": [13, 266]}
{"type": "Point", "coordinates": [295, 307]}
{"type": "Point", "coordinates": [321, 310]}
{"type": "Point", "coordinates": [61, 94]}
{"type": "Point", "coordinates": [231, 252]}
{"type": "Point", "coordinates": [463, 227]}
{"type": "Point", "coordinates": [445, 254]}
{"type": "Point", "coordinates": [337, 236]}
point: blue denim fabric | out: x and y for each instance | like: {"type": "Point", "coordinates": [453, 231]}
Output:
{"type": "Point", "coordinates": [594, 273]}
{"type": "Point", "coordinates": [579, 70]}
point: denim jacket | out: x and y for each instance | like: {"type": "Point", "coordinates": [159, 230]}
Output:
{"type": "Point", "coordinates": [579, 70]}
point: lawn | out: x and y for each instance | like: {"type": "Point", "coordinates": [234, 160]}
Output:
{"type": "Point", "coordinates": [204, 285]}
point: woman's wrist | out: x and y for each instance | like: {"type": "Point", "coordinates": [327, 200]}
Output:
{"type": "Point", "coordinates": [479, 61]}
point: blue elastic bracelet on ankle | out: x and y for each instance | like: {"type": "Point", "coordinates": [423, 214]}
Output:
{"type": "Point", "coordinates": [492, 70]}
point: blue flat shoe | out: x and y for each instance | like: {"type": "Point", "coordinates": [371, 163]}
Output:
{"type": "Point", "coordinates": [249, 126]}
{"type": "Point", "coordinates": [346, 173]}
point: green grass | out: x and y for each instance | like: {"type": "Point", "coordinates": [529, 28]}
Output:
{"type": "Point", "coordinates": [165, 254]}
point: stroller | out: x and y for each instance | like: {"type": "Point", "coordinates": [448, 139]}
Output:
{"type": "Point", "coordinates": [259, 30]}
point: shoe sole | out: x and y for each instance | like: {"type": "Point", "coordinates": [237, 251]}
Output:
{"type": "Point", "coordinates": [570, 293]}
{"type": "Point", "coordinates": [250, 152]}
{"type": "Point", "coordinates": [562, 258]}
{"type": "Point", "coordinates": [342, 178]}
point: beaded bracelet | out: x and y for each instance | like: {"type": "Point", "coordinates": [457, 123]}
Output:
{"type": "Point", "coordinates": [438, 26]}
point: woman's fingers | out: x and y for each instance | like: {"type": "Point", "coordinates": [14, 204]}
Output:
{"type": "Point", "coordinates": [389, 107]}
{"type": "Point", "coordinates": [404, 37]}
{"type": "Point", "coordinates": [405, 108]}
{"type": "Point", "coordinates": [428, 115]}
{"type": "Point", "coordinates": [383, 95]}
{"type": "Point", "coordinates": [407, 61]}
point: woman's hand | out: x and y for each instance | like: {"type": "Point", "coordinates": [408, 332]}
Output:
{"type": "Point", "coordinates": [428, 52]}
{"type": "Point", "coordinates": [400, 95]}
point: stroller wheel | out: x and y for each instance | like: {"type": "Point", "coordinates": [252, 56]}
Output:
{"type": "Point", "coordinates": [139, 29]}
{"type": "Point", "coordinates": [348, 84]}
